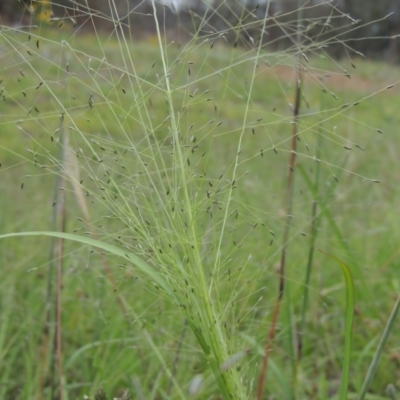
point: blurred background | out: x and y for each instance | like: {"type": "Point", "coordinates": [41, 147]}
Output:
{"type": "Point", "coordinates": [375, 32]}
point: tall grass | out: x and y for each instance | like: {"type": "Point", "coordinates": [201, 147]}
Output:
{"type": "Point", "coordinates": [177, 162]}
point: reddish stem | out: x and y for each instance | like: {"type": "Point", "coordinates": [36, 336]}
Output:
{"type": "Point", "coordinates": [289, 196]}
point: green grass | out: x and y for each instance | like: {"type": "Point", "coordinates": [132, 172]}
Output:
{"type": "Point", "coordinates": [151, 351]}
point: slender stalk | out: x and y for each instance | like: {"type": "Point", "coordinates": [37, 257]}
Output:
{"type": "Point", "coordinates": [377, 356]}
{"type": "Point", "coordinates": [60, 260]}
{"type": "Point", "coordinates": [310, 258]}
{"type": "Point", "coordinates": [44, 375]}
{"type": "Point", "coordinates": [59, 304]}
{"type": "Point", "coordinates": [311, 251]}
{"type": "Point", "coordinates": [288, 203]}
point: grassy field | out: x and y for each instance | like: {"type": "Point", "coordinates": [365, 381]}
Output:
{"type": "Point", "coordinates": [91, 121]}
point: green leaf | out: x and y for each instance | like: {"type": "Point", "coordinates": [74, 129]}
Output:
{"type": "Point", "coordinates": [132, 258]}
{"type": "Point", "coordinates": [350, 302]}
{"type": "Point", "coordinates": [375, 361]}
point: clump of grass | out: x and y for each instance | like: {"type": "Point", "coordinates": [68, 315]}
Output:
{"type": "Point", "coordinates": [181, 154]}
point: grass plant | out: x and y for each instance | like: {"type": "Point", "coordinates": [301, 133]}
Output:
{"type": "Point", "coordinates": [174, 167]}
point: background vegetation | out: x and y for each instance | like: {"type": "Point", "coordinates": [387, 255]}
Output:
{"type": "Point", "coordinates": [178, 150]}
{"type": "Point", "coordinates": [188, 17]}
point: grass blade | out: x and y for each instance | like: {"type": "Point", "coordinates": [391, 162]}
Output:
{"type": "Point", "coordinates": [132, 258]}
{"type": "Point", "coordinates": [350, 301]}
{"type": "Point", "coordinates": [377, 356]}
